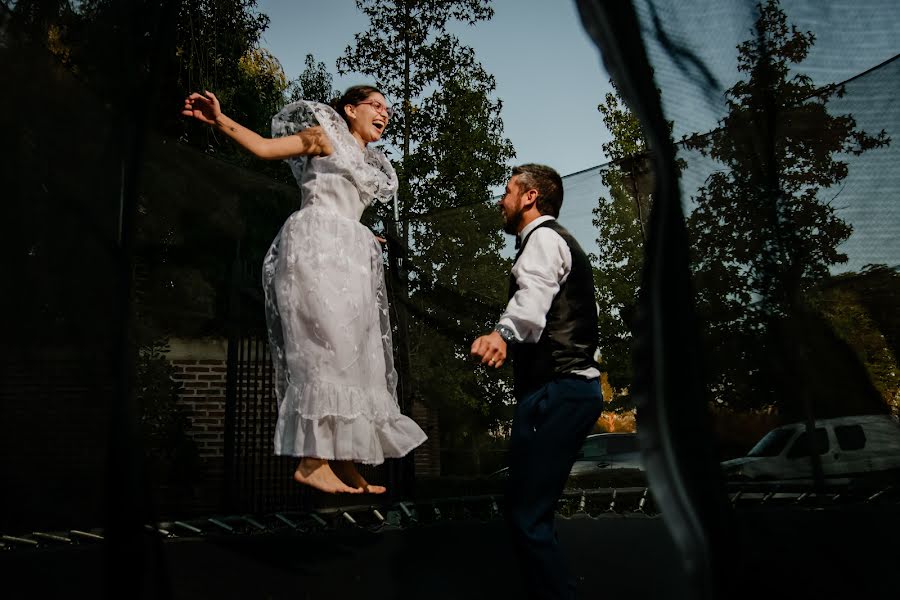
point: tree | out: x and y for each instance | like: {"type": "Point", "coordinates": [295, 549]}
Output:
{"type": "Point", "coordinates": [407, 52]}
{"type": "Point", "coordinates": [762, 236]}
{"type": "Point", "coordinates": [621, 222]}
{"type": "Point", "coordinates": [217, 49]}
{"type": "Point", "coordinates": [171, 454]}
{"type": "Point", "coordinates": [862, 309]}
{"type": "Point", "coordinates": [260, 88]}
{"type": "Point", "coordinates": [458, 279]}
{"type": "Point", "coordinates": [450, 140]}
{"type": "Point", "coordinates": [204, 199]}
{"type": "Point", "coordinates": [314, 83]}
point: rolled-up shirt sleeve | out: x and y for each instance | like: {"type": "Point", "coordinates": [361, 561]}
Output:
{"type": "Point", "coordinates": [539, 272]}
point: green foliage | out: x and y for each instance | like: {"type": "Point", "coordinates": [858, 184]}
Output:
{"type": "Point", "coordinates": [212, 37]}
{"type": "Point", "coordinates": [259, 89]}
{"type": "Point", "coordinates": [115, 48]}
{"type": "Point", "coordinates": [407, 51]}
{"type": "Point", "coordinates": [762, 237]}
{"type": "Point", "coordinates": [458, 279]}
{"type": "Point", "coordinates": [862, 308]}
{"type": "Point", "coordinates": [621, 221]}
{"type": "Point", "coordinates": [763, 241]}
{"type": "Point", "coordinates": [171, 453]}
{"type": "Point", "coordinates": [452, 152]}
{"type": "Point", "coordinates": [204, 197]}
{"type": "Point", "coordinates": [406, 46]}
{"type": "Point", "coordinates": [217, 49]}
{"type": "Point", "coordinates": [314, 83]}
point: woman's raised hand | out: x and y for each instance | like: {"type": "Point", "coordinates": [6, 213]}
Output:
{"type": "Point", "coordinates": [311, 141]}
{"type": "Point", "coordinates": [203, 107]}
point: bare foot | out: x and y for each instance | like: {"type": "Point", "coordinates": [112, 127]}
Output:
{"type": "Point", "coordinates": [316, 472]}
{"type": "Point", "coordinates": [346, 470]}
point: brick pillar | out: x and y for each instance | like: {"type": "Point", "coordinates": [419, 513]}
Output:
{"type": "Point", "coordinates": [200, 367]}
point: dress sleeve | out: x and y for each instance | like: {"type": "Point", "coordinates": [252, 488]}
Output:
{"type": "Point", "coordinates": [369, 169]}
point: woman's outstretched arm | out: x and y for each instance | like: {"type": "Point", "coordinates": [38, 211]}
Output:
{"type": "Point", "coordinates": [309, 142]}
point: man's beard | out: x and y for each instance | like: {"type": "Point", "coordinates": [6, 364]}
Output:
{"type": "Point", "coordinates": [511, 223]}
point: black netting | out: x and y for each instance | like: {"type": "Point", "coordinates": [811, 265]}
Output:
{"type": "Point", "coordinates": [785, 125]}
{"type": "Point", "coordinates": [771, 263]}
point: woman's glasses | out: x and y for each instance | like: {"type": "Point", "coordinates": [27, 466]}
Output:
{"type": "Point", "coordinates": [379, 107]}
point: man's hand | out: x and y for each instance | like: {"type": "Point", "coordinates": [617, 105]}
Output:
{"type": "Point", "coordinates": [490, 349]}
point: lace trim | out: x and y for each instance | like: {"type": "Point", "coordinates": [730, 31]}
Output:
{"type": "Point", "coordinates": [370, 170]}
{"type": "Point", "coordinates": [320, 399]}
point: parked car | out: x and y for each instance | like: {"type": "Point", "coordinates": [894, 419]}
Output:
{"type": "Point", "coordinates": [608, 451]}
{"type": "Point", "coordinates": [600, 452]}
{"type": "Point", "coordinates": [847, 447]}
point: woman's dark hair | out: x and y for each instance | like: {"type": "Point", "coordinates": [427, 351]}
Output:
{"type": "Point", "coordinates": [353, 96]}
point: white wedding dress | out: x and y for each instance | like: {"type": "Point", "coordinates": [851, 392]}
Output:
{"type": "Point", "coordinates": [326, 305]}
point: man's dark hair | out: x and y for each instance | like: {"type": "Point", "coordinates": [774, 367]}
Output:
{"type": "Point", "coordinates": [353, 96]}
{"type": "Point", "coordinates": [548, 184]}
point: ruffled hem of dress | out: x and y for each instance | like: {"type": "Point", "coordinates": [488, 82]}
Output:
{"type": "Point", "coordinates": [319, 399]}
{"type": "Point", "coordinates": [340, 422]}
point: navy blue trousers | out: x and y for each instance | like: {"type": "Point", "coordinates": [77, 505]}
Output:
{"type": "Point", "coordinates": [549, 427]}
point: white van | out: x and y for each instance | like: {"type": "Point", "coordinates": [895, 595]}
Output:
{"type": "Point", "coordinates": [847, 447]}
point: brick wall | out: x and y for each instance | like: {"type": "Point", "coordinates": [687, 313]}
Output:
{"type": "Point", "coordinates": [200, 367]}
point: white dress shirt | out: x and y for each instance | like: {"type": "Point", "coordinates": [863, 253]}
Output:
{"type": "Point", "coordinates": [541, 269]}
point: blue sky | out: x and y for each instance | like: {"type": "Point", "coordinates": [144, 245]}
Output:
{"type": "Point", "coordinates": [550, 78]}
{"type": "Point", "coordinates": [549, 74]}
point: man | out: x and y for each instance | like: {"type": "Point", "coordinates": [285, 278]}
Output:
{"type": "Point", "coordinates": [549, 331]}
